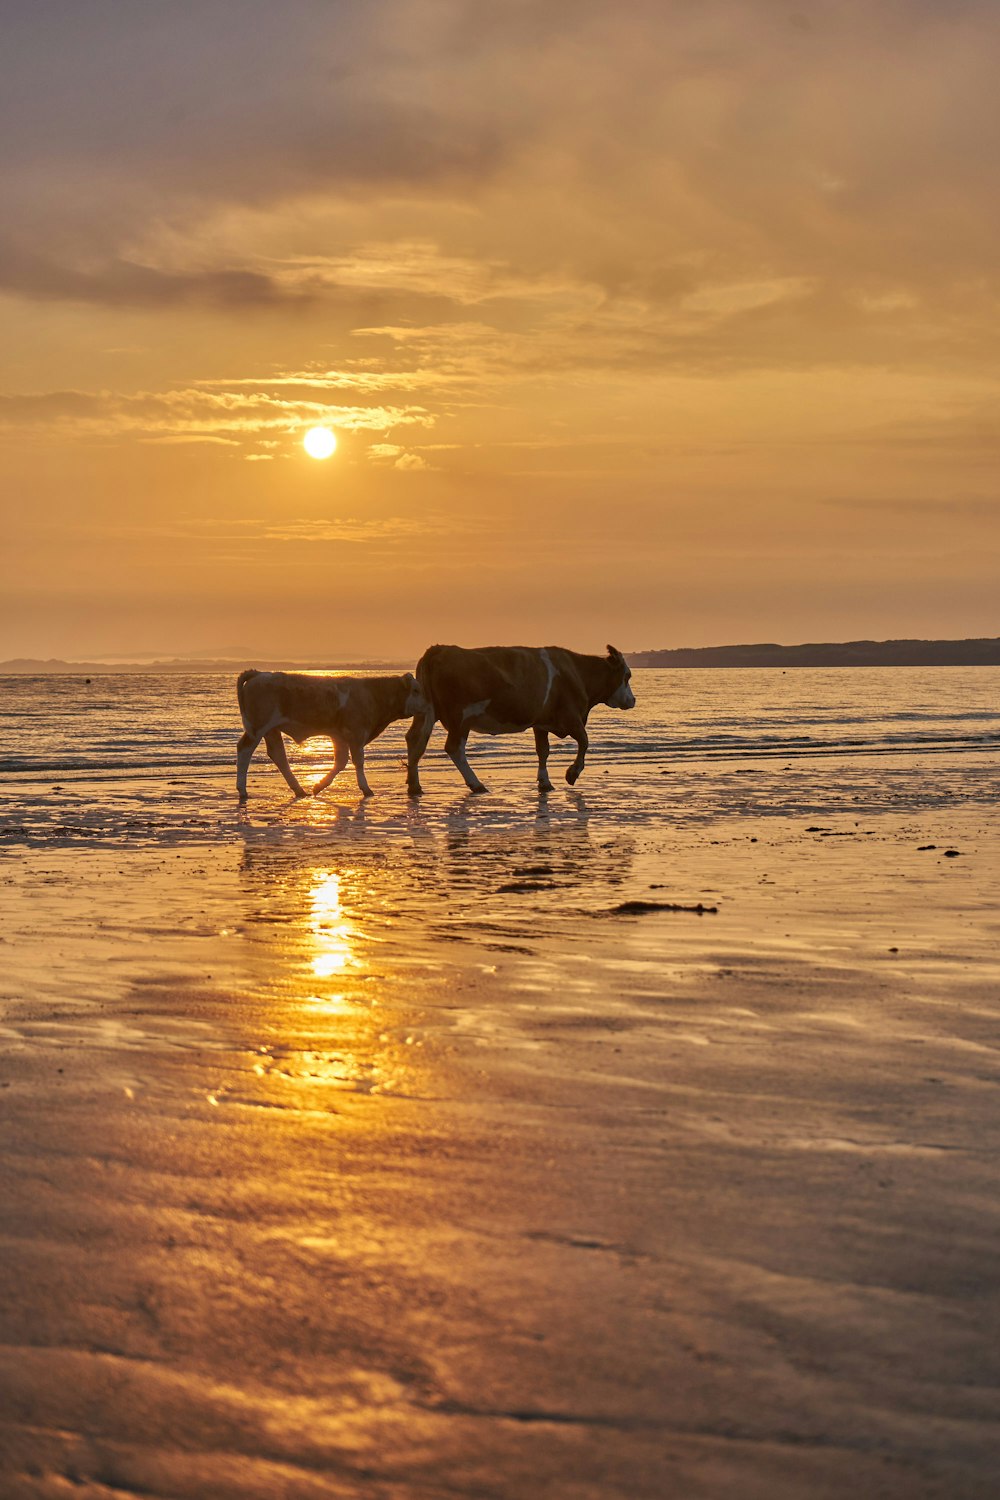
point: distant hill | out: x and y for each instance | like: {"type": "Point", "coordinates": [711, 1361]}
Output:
{"type": "Point", "coordinates": [984, 652]}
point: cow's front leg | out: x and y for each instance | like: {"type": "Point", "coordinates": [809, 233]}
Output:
{"type": "Point", "coordinates": [455, 747]}
{"type": "Point", "coordinates": [245, 747]}
{"type": "Point", "coordinates": [542, 746]}
{"type": "Point", "coordinates": [575, 770]}
{"type": "Point", "coordinates": [340, 758]}
{"type": "Point", "coordinates": [276, 750]}
{"type": "Point", "coordinates": [417, 736]}
{"type": "Point", "coordinates": [358, 757]}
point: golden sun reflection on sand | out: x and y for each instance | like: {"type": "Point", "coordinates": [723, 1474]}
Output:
{"type": "Point", "coordinates": [331, 934]}
{"type": "Point", "coordinates": [336, 1025]}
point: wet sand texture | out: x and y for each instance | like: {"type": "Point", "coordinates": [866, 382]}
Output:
{"type": "Point", "coordinates": [406, 1166]}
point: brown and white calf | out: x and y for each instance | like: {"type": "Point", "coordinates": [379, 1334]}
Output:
{"type": "Point", "coordinates": [351, 710]}
{"type": "Point", "coordinates": [507, 689]}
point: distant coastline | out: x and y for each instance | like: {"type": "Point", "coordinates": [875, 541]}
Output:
{"type": "Point", "coordinates": [981, 652]}
{"type": "Point", "coordinates": [978, 652]}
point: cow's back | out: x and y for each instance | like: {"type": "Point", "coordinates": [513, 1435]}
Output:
{"type": "Point", "coordinates": [449, 673]}
{"type": "Point", "coordinates": [302, 702]}
{"type": "Point", "coordinates": [514, 681]}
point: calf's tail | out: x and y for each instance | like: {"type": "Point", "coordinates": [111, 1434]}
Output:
{"type": "Point", "coordinates": [241, 683]}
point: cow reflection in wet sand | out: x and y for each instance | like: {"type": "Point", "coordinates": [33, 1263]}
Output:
{"type": "Point", "coordinates": [349, 941]}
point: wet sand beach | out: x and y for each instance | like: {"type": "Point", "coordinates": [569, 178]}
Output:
{"type": "Point", "coordinates": [378, 1152]}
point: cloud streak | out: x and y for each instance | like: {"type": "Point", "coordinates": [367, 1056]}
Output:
{"type": "Point", "coordinates": [118, 283]}
{"type": "Point", "coordinates": [196, 414]}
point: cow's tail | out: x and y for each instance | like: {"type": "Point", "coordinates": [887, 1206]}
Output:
{"type": "Point", "coordinates": [426, 675]}
{"type": "Point", "coordinates": [241, 683]}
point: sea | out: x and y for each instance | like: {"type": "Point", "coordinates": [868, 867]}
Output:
{"type": "Point", "coordinates": [150, 759]}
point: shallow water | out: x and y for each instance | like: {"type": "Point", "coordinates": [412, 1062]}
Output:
{"type": "Point", "coordinates": [152, 758]}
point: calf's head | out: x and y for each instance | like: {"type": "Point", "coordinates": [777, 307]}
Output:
{"type": "Point", "coordinates": [415, 701]}
{"type": "Point", "coordinates": [620, 694]}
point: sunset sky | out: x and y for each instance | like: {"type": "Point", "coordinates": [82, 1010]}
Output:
{"type": "Point", "coordinates": [660, 323]}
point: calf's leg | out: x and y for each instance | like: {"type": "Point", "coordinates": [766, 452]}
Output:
{"type": "Point", "coordinates": [358, 757]}
{"type": "Point", "coordinates": [340, 756]}
{"type": "Point", "coordinates": [417, 736]}
{"type": "Point", "coordinates": [575, 770]}
{"type": "Point", "coordinates": [245, 747]}
{"type": "Point", "coordinates": [542, 746]}
{"type": "Point", "coordinates": [455, 746]}
{"type": "Point", "coordinates": [276, 750]}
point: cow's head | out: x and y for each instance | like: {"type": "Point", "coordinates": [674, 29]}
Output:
{"type": "Point", "coordinates": [620, 694]}
{"type": "Point", "coordinates": [415, 701]}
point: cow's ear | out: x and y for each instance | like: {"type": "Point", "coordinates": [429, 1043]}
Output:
{"type": "Point", "coordinates": [613, 651]}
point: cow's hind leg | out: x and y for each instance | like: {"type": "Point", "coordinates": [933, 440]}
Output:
{"type": "Point", "coordinates": [276, 750]}
{"type": "Point", "coordinates": [455, 746]}
{"type": "Point", "coordinates": [575, 770]}
{"type": "Point", "coordinates": [340, 757]}
{"type": "Point", "coordinates": [417, 736]}
{"type": "Point", "coordinates": [358, 757]}
{"type": "Point", "coordinates": [245, 747]}
{"type": "Point", "coordinates": [542, 746]}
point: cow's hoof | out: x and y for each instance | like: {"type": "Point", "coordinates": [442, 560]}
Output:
{"type": "Point", "coordinates": [544, 787]}
{"type": "Point", "coordinates": [243, 799]}
{"type": "Point", "coordinates": [478, 789]}
{"type": "Point", "coordinates": [367, 792]}
{"type": "Point", "coordinates": [415, 790]}
{"type": "Point", "coordinates": [572, 776]}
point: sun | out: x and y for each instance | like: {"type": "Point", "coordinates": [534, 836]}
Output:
{"type": "Point", "coordinates": [320, 442]}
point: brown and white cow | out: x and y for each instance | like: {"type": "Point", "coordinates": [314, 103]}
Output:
{"type": "Point", "coordinates": [507, 689]}
{"type": "Point", "coordinates": [351, 710]}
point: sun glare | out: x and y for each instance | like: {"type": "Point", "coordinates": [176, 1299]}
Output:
{"type": "Point", "coordinates": [331, 934]}
{"type": "Point", "coordinates": [320, 442]}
